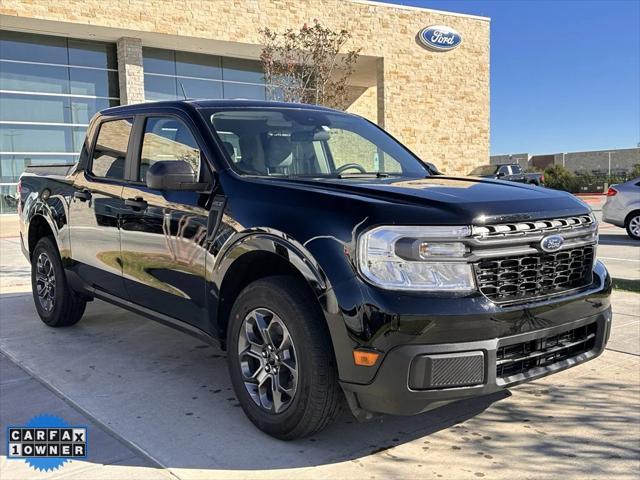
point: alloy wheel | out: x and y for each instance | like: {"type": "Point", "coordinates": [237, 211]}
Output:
{"type": "Point", "coordinates": [268, 360]}
{"type": "Point", "coordinates": [45, 282]}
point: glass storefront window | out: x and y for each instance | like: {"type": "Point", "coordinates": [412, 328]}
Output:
{"type": "Point", "coordinates": [40, 138]}
{"type": "Point", "coordinates": [93, 82]}
{"type": "Point", "coordinates": [198, 65]}
{"type": "Point", "coordinates": [26, 47]}
{"type": "Point", "coordinates": [158, 88]}
{"type": "Point", "coordinates": [50, 87]}
{"type": "Point", "coordinates": [31, 77]}
{"type": "Point", "coordinates": [199, 88]}
{"type": "Point", "coordinates": [168, 72]}
{"type": "Point", "coordinates": [8, 198]}
{"type": "Point", "coordinates": [92, 54]}
{"type": "Point", "coordinates": [242, 70]}
{"type": "Point", "coordinates": [156, 60]}
{"type": "Point", "coordinates": [243, 90]}
{"type": "Point", "coordinates": [50, 109]}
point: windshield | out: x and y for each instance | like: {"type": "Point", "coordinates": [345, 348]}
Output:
{"type": "Point", "coordinates": [484, 170]}
{"type": "Point", "coordinates": [293, 142]}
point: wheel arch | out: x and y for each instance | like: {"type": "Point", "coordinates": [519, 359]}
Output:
{"type": "Point", "coordinates": [259, 255]}
{"type": "Point", "coordinates": [39, 227]}
{"type": "Point", "coordinates": [632, 213]}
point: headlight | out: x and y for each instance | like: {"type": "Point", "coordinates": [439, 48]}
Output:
{"type": "Point", "coordinates": [416, 258]}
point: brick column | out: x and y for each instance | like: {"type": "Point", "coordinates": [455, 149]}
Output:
{"type": "Point", "coordinates": [130, 71]}
{"type": "Point", "coordinates": [380, 92]}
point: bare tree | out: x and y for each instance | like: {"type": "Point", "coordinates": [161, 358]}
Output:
{"type": "Point", "coordinates": [308, 65]}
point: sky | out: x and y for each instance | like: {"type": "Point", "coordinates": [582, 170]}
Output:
{"type": "Point", "coordinates": [565, 74]}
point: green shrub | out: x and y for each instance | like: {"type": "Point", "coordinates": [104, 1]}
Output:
{"type": "Point", "coordinates": [560, 178]}
{"type": "Point", "coordinates": [635, 171]}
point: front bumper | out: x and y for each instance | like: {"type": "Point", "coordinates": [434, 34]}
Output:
{"type": "Point", "coordinates": [391, 392]}
{"type": "Point", "coordinates": [462, 333]}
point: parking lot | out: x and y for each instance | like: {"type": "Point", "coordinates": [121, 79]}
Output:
{"type": "Point", "coordinates": [159, 404]}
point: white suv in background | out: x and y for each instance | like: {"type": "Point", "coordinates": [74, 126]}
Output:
{"type": "Point", "coordinates": [622, 207]}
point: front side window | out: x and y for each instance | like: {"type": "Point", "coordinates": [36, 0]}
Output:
{"type": "Point", "coordinates": [293, 142]}
{"type": "Point", "coordinates": [167, 139]}
{"type": "Point", "coordinates": [110, 151]}
{"type": "Point", "coordinates": [504, 170]}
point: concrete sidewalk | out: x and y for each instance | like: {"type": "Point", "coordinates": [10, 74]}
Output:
{"type": "Point", "coordinates": [169, 396]}
{"type": "Point", "coordinates": [24, 397]}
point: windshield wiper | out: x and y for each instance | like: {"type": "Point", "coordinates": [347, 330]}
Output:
{"type": "Point", "coordinates": [334, 175]}
{"type": "Point", "coordinates": [364, 175]}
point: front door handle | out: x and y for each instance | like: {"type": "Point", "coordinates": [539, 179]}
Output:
{"type": "Point", "coordinates": [137, 203]}
{"type": "Point", "coordinates": [83, 196]}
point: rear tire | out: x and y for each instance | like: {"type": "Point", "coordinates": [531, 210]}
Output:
{"type": "Point", "coordinates": [56, 303]}
{"type": "Point", "coordinates": [300, 367]}
{"type": "Point", "coordinates": [632, 225]}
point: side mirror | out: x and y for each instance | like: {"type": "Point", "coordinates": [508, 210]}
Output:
{"type": "Point", "coordinates": [500, 174]}
{"type": "Point", "coordinates": [172, 175]}
{"type": "Point", "coordinates": [433, 169]}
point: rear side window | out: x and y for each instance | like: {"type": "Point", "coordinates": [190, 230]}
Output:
{"type": "Point", "coordinates": [110, 151]}
{"type": "Point", "coordinates": [167, 139]}
{"type": "Point", "coordinates": [516, 170]}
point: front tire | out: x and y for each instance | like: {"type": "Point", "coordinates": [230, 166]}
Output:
{"type": "Point", "coordinates": [633, 225]}
{"type": "Point", "coordinates": [56, 303]}
{"type": "Point", "coordinates": [281, 360]}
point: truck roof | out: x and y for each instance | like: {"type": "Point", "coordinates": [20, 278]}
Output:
{"type": "Point", "coordinates": [209, 103]}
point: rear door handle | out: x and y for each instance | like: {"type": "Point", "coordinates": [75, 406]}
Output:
{"type": "Point", "coordinates": [137, 203]}
{"type": "Point", "coordinates": [83, 196]}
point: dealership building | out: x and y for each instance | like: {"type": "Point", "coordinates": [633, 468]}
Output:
{"type": "Point", "coordinates": [61, 62]}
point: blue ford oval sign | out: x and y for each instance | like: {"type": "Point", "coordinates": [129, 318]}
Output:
{"type": "Point", "coordinates": [439, 37]}
{"type": "Point", "coordinates": [551, 243]}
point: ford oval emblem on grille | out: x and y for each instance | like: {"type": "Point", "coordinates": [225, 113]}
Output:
{"type": "Point", "coordinates": [552, 243]}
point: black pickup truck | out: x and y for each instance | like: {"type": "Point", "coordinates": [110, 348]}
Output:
{"type": "Point", "coordinates": [511, 172]}
{"type": "Point", "coordinates": [320, 253]}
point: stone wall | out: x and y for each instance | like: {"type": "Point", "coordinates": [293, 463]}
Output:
{"type": "Point", "coordinates": [435, 102]}
{"type": "Point", "coordinates": [594, 162]}
{"type": "Point", "coordinates": [130, 70]}
{"type": "Point", "coordinates": [622, 160]}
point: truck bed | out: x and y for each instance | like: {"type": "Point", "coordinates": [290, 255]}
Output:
{"type": "Point", "coordinates": [54, 169]}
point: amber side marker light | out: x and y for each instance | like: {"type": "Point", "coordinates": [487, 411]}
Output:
{"type": "Point", "coordinates": [365, 358]}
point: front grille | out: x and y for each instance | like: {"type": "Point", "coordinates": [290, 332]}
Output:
{"type": "Point", "coordinates": [534, 227]}
{"type": "Point", "coordinates": [522, 358]}
{"type": "Point", "coordinates": [523, 277]}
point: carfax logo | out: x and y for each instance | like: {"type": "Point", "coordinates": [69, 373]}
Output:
{"type": "Point", "coordinates": [46, 442]}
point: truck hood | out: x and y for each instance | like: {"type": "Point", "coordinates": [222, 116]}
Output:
{"type": "Point", "coordinates": [470, 197]}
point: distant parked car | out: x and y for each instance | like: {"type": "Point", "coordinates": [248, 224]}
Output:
{"type": "Point", "coordinates": [511, 172]}
{"type": "Point", "coordinates": [622, 207]}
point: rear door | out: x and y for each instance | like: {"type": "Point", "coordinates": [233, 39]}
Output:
{"type": "Point", "coordinates": [164, 232]}
{"type": "Point", "coordinates": [96, 207]}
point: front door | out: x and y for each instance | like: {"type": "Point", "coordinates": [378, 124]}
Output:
{"type": "Point", "coordinates": [96, 207]}
{"type": "Point", "coordinates": [164, 232]}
